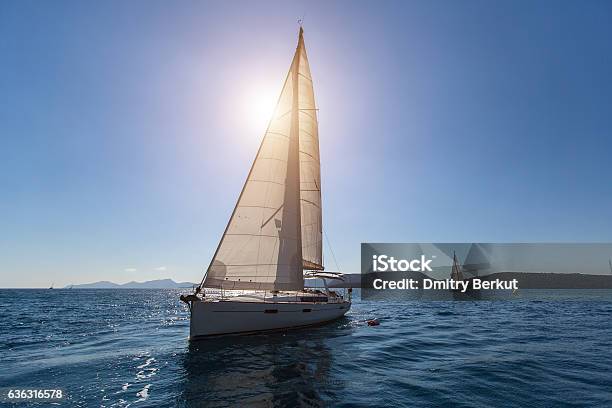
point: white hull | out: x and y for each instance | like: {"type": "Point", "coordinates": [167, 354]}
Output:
{"type": "Point", "coordinates": [210, 318]}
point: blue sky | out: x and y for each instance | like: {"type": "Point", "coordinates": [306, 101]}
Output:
{"type": "Point", "coordinates": [126, 129]}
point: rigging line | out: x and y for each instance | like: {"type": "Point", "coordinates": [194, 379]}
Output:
{"type": "Point", "coordinates": [306, 112]}
{"type": "Point", "coordinates": [305, 77]}
{"type": "Point", "coordinates": [288, 238]}
{"type": "Point", "coordinates": [305, 131]}
{"type": "Point", "coordinates": [307, 154]}
{"type": "Point", "coordinates": [263, 181]}
{"type": "Point", "coordinates": [331, 250]}
{"type": "Point", "coordinates": [258, 206]}
{"type": "Point", "coordinates": [272, 216]}
{"type": "Point", "coordinates": [271, 133]}
{"type": "Point", "coordinates": [272, 158]}
{"type": "Point", "coordinates": [284, 114]}
{"type": "Point", "coordinates": [257, 264]}
{"type": "Point", "coordinates": [308, 201]}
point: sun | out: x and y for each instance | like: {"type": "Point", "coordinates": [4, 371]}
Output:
{"type": "Point", "coordinates": [259, 104]}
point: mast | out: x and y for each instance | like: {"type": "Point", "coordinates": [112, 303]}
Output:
{"type": "Point", "coordinates": [456, 269]}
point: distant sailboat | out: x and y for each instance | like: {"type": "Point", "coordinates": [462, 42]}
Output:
{"type": "Point", "coordinates": [610, 263]}
{"type": "Point", "coordinates": [274, 234]}
{"type": "Point", "coordinates": [51, 287]}
{"type": "Point", "coordinates": [456, 272]}
{"type": "Point", "coordinates": [457, 275]}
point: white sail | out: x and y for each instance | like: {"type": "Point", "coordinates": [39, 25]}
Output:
{"type": "Point", "coordinates": [278, 214]}
{"type": "Point", "coordinates": [310, 168]}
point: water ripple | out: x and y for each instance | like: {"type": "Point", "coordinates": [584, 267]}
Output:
{"type": "Point", "coordinates": [117, 348]}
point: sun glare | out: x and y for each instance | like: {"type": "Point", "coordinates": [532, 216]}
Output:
{"type": "Point", "coordinates": [259, 104]}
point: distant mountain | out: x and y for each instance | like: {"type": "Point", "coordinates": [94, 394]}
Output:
{"type": "Point", "coordinates": [526, 281]}
{"type": "Point", "coordinates": [152, 284]}
{"type": "Point", "coordinates": [96, 285]}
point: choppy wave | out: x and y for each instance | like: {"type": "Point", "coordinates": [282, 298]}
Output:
{"type": "Point", "coordinates": [119, 348]}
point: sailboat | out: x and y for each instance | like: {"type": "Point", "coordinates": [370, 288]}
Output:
{"type": "Point", "coordinates": [273, 240]}
{"type": "Point", "coordinates": [457, 275]}
{"type": "Point", "coordinates": [456, 272]}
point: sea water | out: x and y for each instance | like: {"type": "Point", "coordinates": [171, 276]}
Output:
{"type": "Point", "coordinates": [119, 348]}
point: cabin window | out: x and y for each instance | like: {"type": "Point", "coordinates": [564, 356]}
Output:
{"type": "Point", "coordinates": [306, 310]}
{"type": "Point", "coordinates": [271, 311]}
{"type": "Point", "coordinates": [313, 299]}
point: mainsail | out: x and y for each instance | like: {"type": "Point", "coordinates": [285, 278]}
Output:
{"type": "Point", "coordinates": [275, 230]}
